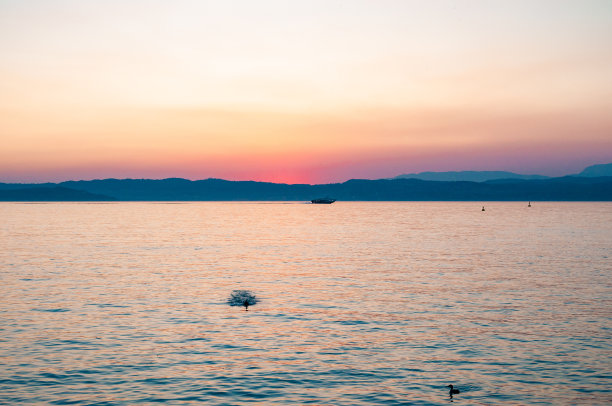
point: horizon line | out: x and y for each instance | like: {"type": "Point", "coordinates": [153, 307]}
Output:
{"type": "Point", "coordinates": [285, 183]}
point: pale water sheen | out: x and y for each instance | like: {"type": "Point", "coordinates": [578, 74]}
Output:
{"type": "Point", "coordinates": [361, 303]}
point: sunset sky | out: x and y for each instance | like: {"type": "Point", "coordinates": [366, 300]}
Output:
{"type": "Point", "coordinates": [302, 91]}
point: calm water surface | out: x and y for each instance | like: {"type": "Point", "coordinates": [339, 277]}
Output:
{"type": "Point", "coordinates": [361, 303]}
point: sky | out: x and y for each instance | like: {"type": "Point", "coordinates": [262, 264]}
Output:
{"type": "Point", "coordinates": [313, 91]}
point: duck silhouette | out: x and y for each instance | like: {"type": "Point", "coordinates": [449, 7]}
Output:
{"type": "Point", "coordinates": [452, 391]}
{"type": "Point", "coordinates": [244, 298]}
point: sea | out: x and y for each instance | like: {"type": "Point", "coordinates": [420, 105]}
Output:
{"type": "Point", "coordinates": [359, 303]}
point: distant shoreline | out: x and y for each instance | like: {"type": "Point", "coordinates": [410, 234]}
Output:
{"type": "Point", "coordinates": [567, 188]}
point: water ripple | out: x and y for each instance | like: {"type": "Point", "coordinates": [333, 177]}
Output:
{"type": "Point", "coordinates": [361, 304]}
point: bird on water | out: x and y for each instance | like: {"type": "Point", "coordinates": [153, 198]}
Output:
{"type": "Point", "coordinates": [483, 208]}
{"type": "Point", "coordinates": [452, 391]}
{"type": "Point", "coordinates": [244, 298]}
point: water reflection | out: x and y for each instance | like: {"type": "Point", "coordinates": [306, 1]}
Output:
{"type": "Point", "coordinates": [364, 303]}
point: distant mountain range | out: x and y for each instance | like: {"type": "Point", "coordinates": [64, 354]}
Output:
{"type": "Point", "coordinates": [592, 184]}
{"type": "Point", "coordinates": [597, 170]}
{"type": "Point", "coordinates": [483, 176]}
{"type": "Point", "coordinates": [467, 176]}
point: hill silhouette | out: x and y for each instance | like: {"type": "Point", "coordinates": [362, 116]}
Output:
{"type": "Point", "coordinates": [568, 188]}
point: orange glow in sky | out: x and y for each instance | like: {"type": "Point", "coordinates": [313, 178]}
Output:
{"type": "Point", "coordinates": [302, 92]}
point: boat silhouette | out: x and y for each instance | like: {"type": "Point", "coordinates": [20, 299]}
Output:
{"type": "Point", "coordinates": [325, 200]}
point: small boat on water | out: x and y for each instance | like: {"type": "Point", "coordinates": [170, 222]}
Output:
{"type": "Point", "coordinates": [325, 200]}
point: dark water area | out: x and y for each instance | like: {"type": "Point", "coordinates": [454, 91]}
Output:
{"type": "Point", "coordinates": [358, 303]}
